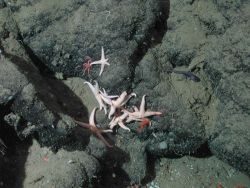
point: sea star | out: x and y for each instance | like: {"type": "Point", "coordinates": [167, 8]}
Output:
{"type": "Point", "coordinates": [94, 129]}
{"type": "Point", "coordinates": [87, 66]}
{"type": "Point", "coordinates": [137, 115]}
{"type": "Point", "coordinates": [118, 103]}
{"type": "Point", "coordinates": [95, 90]}
{"type": "Point", "coordinates": [102, 62]}
{"type": "Point", "coordinates": [109, 97]}
{"type": "Point", "coordinates": [119, 121]}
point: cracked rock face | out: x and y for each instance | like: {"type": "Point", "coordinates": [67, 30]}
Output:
{"type": "Point", "coordinates": [217, 47]}
{"type": "Point", "coordinates": [79, 28]}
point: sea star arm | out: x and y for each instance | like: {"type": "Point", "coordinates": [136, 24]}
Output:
{"type": "Point", "coordinates": [102, 62]}
{"type": "Point", "coordinates": [84, 125]}
{"type": "Point", "coordinates": [95, 131]}
{"type": "Point", "coordinates": [102, 67]}
{"type": "Point", "coordinates": [152, 113]}
{"type": "Point", "coordinates": [124, 115]}
{"type": "Point", "coordinates": [99, 135]}
{"type": "Point", "coordinates": [121, 124]}
{"type": "Point", "coordinates": [135, 109]}
{"type": "Point", "coordinates": [107, 131]}
{"type": "Point", "coordinates": [92, 117]}
{"type": "Point", "coordinates": [132, 116]}
{"type": "Point", "coordinates": [142, 106]}
{"type": "Point", "coordinates": [96, 62]}
{"type": "Point", "coordinates": [95, 91]}
{"type": "Point", "coordinates": [113, 123]}
{"type": "Point", "coordinates": [92, 88]}
{"type": "Point", "coordinates": [107, 98]}
{"type": "Point", "coordinates": [127, 98]}
{"type": "Point", "coordinates": [112, 111]}
{"type": "Point", "coordinates": [120, 99]}
{"type": "Point", "coordinates": [105, 94]}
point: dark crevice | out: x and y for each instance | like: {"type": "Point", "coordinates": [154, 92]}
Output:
{"type": "Point", "coordinates": [43, 69]}
{"type": "Point", "coordinates": [13, 161]}
{"type": "Point", "coordinates": [203, 151]}
{"type": "Point", "coordinates": [153, 37]}
{"type": "Point", "coordinates": [6, 33]}
{"type": "Point", "coordinates": [150, 170]}
{"type": "Point", "coordinates": [192, 2]}
{"type": "Point", "coordinates": [112, 175]}
{"type": "Point", "coordinates": [2, 4]}
{"type": "Point", "coordinates": [53, 93]}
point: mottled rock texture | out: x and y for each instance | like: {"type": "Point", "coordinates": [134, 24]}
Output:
{"type": "Point", "coordinates": [43, 44]}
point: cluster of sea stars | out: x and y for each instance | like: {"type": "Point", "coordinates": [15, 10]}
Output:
{"type": "Point", "coordinates": [117, 112]}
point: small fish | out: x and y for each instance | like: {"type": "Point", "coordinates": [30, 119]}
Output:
{"type": "Point", "coordinates": [188, 74]}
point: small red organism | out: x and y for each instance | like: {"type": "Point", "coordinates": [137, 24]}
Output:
{"type": "Point", "coordinates": [240, 186]}
{"type": "Point", "coordinates": [144, 123]}
{"type": "Point", "coordinates": [87, 64]}
{"type": "Point", "coordinates": [219, 185]}
{"type": "Point", "coordinates": [45, 159]}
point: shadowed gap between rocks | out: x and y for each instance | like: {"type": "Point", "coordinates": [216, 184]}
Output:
{"type": "Point", "coordinates": [63, 101]}
{"type": "Point", "coordinates": [55, 95]}
{"type": "Point", "coordinates": [202, 152]}
{"type": "Point", "coordinates": [156, 32]}
{"type": "Point", "coordinates": [45, 83]}
{"type": "Point", "coordinates": [13, 162]}
{"type": "Point", "coordinates": [43, 69]}
{"type": "Point", "coordinates": [112, 175]}
{"type": "Point", "coordinates": [150, 170]}
{"type": "Point", "coordinates": [52, 92]}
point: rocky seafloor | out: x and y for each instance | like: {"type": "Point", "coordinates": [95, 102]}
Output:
{"type": "Point", "coordinates": [201, 140]}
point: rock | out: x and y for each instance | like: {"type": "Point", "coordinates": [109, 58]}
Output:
{"type": "Point", "coordinates": [81, 28]}
{"type": "Point", "coordinates": [217, 107]}
{"type": "Point", "coordinates": [2, 4]}
{"type": "Point", "coordinates": [8, 26]}
{"type": "Point", "coordinates": [11, 80]}
{"type": "Point", "coordinates": [63, 169]}
{"type": "Point", "coordinates": [178, 130]}
{"type": "Point", "coordinates": [136, 166]}
{"type": "Point", "coordinates": [197, 172]}
{"type": "Point", "coordinates": [229, 69]}
{"type": "Point", "coordinates": [184, 35]}
{"type": "Point", "coordinates": [43, 40]}
{"type": "Point", "coordinates": [34, 100]}
{"type": "Point", "coordinates": [230, 137]}
{"type": "Point", "coordinates": [5, 95]}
